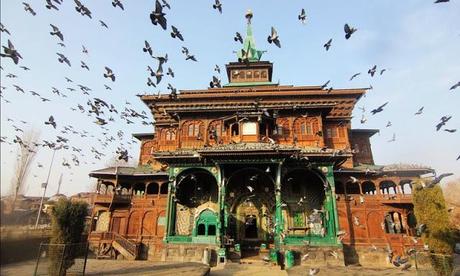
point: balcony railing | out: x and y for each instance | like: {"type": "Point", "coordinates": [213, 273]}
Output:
{"type": "Point", "coordinates": [112, 198]}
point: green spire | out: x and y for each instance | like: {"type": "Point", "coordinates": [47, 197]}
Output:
{"type": "Point", "coordinates": [249, 50]}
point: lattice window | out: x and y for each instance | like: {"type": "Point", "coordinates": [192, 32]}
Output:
{"type": "Point", "coordinates": [192, 130]}
{"type": "Point", "coordinates": [306, 128]}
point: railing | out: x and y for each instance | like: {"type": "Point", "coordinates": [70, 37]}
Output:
{"type": "Point", "coordinates": [131, 247]}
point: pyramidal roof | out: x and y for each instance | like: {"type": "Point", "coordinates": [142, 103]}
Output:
{"type": "Point", "coordinates": [249, 50]}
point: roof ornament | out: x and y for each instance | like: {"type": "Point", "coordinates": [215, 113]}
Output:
{"type": "Point", "coordinates": [249, 53]}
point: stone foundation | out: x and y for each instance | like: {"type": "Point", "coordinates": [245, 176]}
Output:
{"type": "Point", "coordinates": [188, 253]}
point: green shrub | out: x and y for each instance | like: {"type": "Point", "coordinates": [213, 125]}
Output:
{"type": "Point", "coordinates": [68, 223]}
{"type": "Point", "coordinates": [430, 209]}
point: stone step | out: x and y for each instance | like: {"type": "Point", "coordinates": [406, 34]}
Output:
{"type": "Point", "coordinates": [123, 251]}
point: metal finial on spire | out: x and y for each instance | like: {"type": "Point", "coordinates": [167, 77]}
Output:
{"type": "Point", "coordinates": [249, 16]}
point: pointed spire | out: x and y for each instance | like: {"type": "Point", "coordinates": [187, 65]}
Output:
{"type": "Point", "coordinates": [249, 51]}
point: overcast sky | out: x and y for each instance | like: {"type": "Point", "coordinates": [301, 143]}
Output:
{"type": "Point", "coordinates": [417, 42]}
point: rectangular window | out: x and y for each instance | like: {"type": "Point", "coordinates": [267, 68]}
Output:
{"type": "Point", "coordinates": [305, 129]}
{"type": "Point", "coordinates": [250, 128]}
{"type": "Point", "coordinates": [280, 130]}
{"type": "Point", "coordinates": [331, 132]}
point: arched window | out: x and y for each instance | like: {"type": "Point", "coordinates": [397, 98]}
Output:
{"type": "Point", "coordinates": [306, 128]}
{"type": "Point", "coordinates": [368, 188]}
{"type": "Point", "coordinates": [406, 186]}
{"type": "Point", "coordinates": [352, 188]}
{"type": "Point", "coordinates": [193, 130]}
{"type": "Point", "coordinates": [388, 187]}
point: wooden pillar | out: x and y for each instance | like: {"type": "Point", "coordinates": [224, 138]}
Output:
{"type": "Point", "coordinates": [279, 224]}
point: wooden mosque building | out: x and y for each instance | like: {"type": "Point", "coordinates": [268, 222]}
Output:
{"type": "Point", "coordinates": [251, 168]}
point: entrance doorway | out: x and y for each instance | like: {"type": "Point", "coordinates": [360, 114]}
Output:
{"type": "Point", "coordinates": [250, 229]}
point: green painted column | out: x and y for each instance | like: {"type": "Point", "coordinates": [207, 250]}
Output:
{"type": "Point", "coordinates": [170, 203]}
{"type": "Point", "coordinates": [279, 224]}
{"type": "Point", "coordinates": [334, 220]}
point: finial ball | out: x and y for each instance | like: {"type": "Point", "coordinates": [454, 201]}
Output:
{"type": "Point", "coordinates": [249, 14]}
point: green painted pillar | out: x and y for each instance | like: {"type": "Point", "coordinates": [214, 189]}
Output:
{"type": "Point", "coordinates": [334, 219]}
{"type": "Point", "coordinates": [170, 203]}
{"type": "Point", "coordinates": [279, 224]}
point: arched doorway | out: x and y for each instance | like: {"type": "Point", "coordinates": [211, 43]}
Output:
{"type": "Point", "coordinates": [250, 201]}
{"type": "Point", "coordinates": [303, 195]}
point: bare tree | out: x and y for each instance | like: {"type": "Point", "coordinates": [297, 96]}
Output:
{"type": "Point", "coordinates": [26, 153]}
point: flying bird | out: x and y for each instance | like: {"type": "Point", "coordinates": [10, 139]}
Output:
{"type": "Point", "coordinates": [348, 31]}
{"type": "Point", "coordinates": [57, 32]}
{"type": "Point", "coordinates": [325, 84]}
{"type": "Point", "coordinates": [372, 70]}
{"type": "Point", "coordinates": [118, 3]}
{"type": "Point", "coordinates": [157, 16]}
{"type": "Point", "coordinates": [11, 52]}
{"type": "Point", "coordinates": [378, 109]}
{"type": "Point", "coordinates": [328, 44]}
{"type": "Point", "coordinates": [441, 1]}
{"type": "Point", "coordinates": [419, 111]}
{"type": "Point", "coordinates": [354, 76]}
{"type": "Point", "coordinates": [103, 24]}
{"type": "Point", "coordinates": [150, 82]}
{"type": "Point", "coordinates": [51, 122]}
{"type": "Point", "coordinates": [188, 56]}
{"type": "Point", "coordinates": [302, 16]}
{"type": "Point", "coordinates": [455, 86]}
{"type": "Point", "coordinates": [84, 50]}
{"type": "Point", "coordinates": [49, 5]}
{"type": "Point", "coordinates": [147, 48]}
{"type": "Point", "coordinates": [450, 130]}
{"type": "Point", "coordinates": [393, 139]}
{"type": "Point", "coordinates": [109, 74]}
{"type": "Point", "coordinates": [170, 72]}
{"type": "Point", "coordinates": [176, 33]}
{"type": "Point", "coordinates": [29, 9]}
{"type": "Point", "coordinates": [274, 38]}
{"type": "Point", "coordinates": [159, 73]}
{"type": "Point", "coordinates": [82, 9]}
{"type": "Point", "coordinates": [389, 124]}
{"type": "Point", "coordinates": [238, 37]}
{"type": "Point", "coordinates": [62, 58]}
{"type": "Point", "coordinates": [444, 120]}
{"type": "Point", "coordinates": [24, 68]}
{"type": "Point", "coordinates": [217, 6]}
{"type": "Point", "coordinates": [215, 82]}
{"type": "Point", "coordinates": [3, 29]}
{"type": "Point", "coordinates": [83, 65]}
{"type": "Point", "coordinates": [217, 69]}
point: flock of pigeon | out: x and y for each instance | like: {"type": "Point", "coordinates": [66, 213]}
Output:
{"type": "Point", "coordinates": [104, 113]}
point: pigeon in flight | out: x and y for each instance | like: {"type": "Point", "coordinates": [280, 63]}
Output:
{"type": "Point", "coordinates": [348, 31]}
{"type": "Point", "coordinates": [215, 82]}
{"type": "Point", "coordinates": [51, 122]}
{"type": "Point", "coordinates": [217, 69]}
{"type": "Point", "coordinates": [302, 16]}
{"type": "Point", "coordinates": [378, 109]}
{"type": "Point", "coordinates": [419, 111]}
{"type": "Point", "coordinates": [57, 32]}
{"type": "Point", "coordinates": [109, 74]}
{"type": "Point", "coordinates": [382, 71]}
{"type": "Point", "coordinates": [107, 87]}
{"type": "Point", "coordinates": [11, 52]}
{"type": "Point", "coordinates": [150, 82]}
{"type": "Point", "coordinates": [354, 76]}
{"type": "Point", "coordinates": [49, 5]}
{"type": "Point", "coordinates": [238, 37]}
{"type": "Point", "coordinates": [159, 73]}
{"type": "Point", "coordinates": [63, 58]}
{"type": "Point", "coordinates": [118, 3]}
{"type": "Point", "coordinates": [176, 33]}
{"type": "Point", "coordinates": [188, 56]}
{"type": "Point", "coordinates": [393, 139]}
{"type": "Point", "coordinates": [157, 16]}
{"type": "Point", "coordinates": [450, 130]}
{"type": "Point", "coordinates": [84, 50]}
{"type": "Point", "coordinates": [389, 124]}
{"type": "Point", "coordinates": [165, 4]}
{"type": "Point", "coordinates": [83, 65]}
{"type": "Point", "coordinates": [170, 72]}
{"type": "Point", "coordinates": [444, 120]}
{"type": "Point", "coordinates": [103, 24]}
{"type": "Point", "coordinates": [18, 88]}
{"type": "Point", "coordinates": [147, 48]}
{"type": "Point", "coordinates": [274, 38]}
{"type": "Point", "coordinates": [372, 70]}
{"type": "Point", "coordinates": [29, 9]}
{"type": "Point", "coordinates": [325, 84]}
{"type": "Point", "coordinates": [217, 6]}
{"type": "Point", "coordinates": [441, 1]}
{"type": "Point", "coordinates": [162, 59]}
{"type": "Point", "coordinates": [328, 44]}
{"type": "Point", "coordinates": [3, 29]}
{"type": "Point", "coordinates": [455, 86]}
{"type": "Point", "coordinates": [25, 68]}
{"type": "Point", "coordinates": [82, 9]}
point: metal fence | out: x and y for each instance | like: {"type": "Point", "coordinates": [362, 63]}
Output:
{"type": "Point", "coordinates": [61, 259]}
{"type": "Point", "coordinates": [440, 264]}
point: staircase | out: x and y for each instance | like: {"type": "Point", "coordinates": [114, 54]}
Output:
{"type": "Point", "coordinates": [127, 248]}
